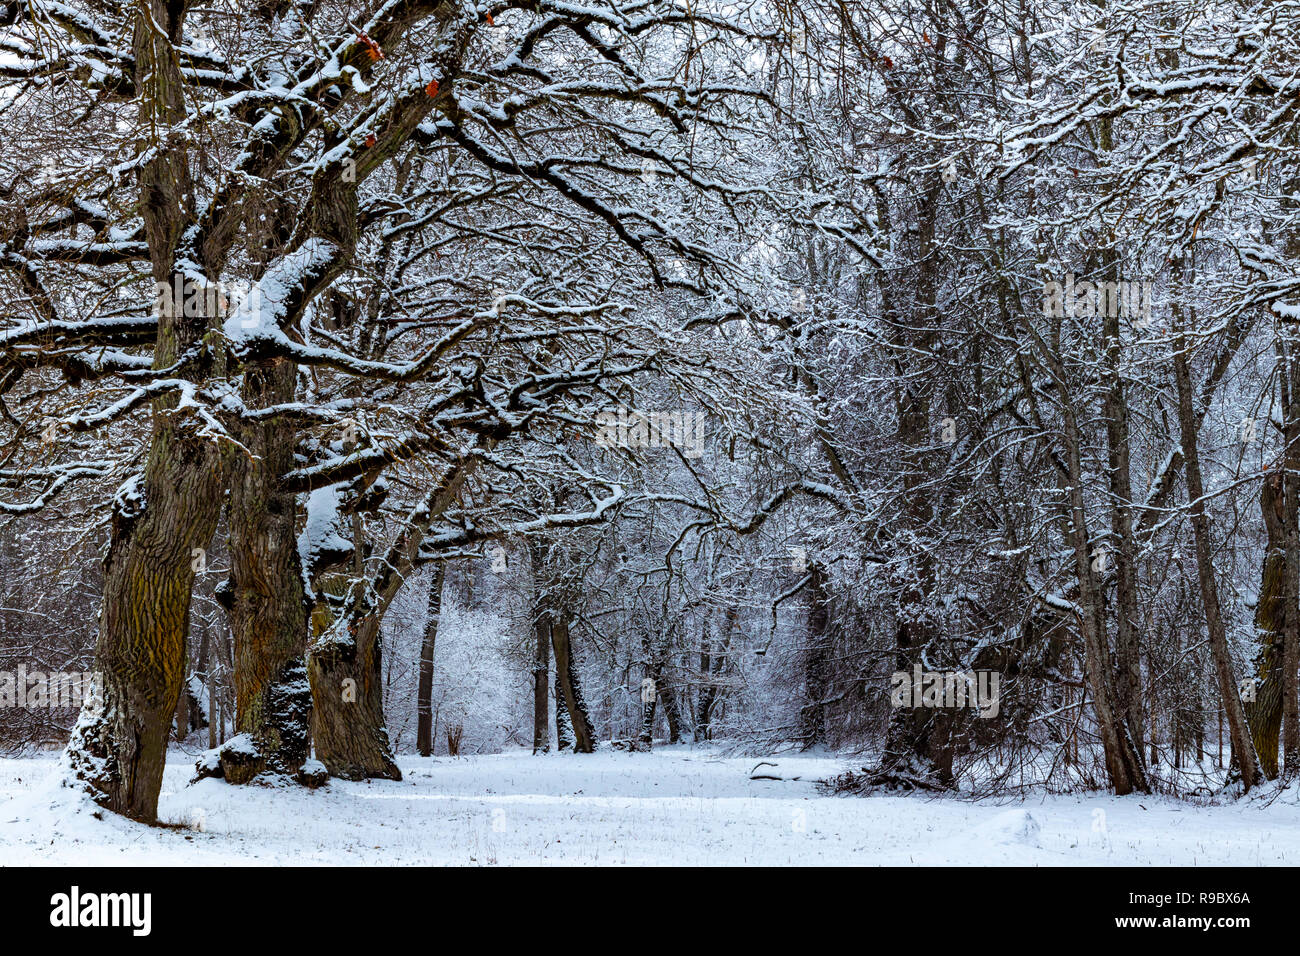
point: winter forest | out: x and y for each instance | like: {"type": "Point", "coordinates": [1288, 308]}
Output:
{"type": "Point", "coordinates": [844, 407]}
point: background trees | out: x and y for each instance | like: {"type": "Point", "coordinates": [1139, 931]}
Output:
{"type": "Point", "coordinates": [975, 318]}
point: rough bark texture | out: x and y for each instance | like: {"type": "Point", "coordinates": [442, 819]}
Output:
{"type": "Point", "coordinates": [348, 696]}
{"type": "Point", "coordinates": [119, 745]}
{"type": "Point", "coordinates": [645, 737]}
{"type": "Point", "coordinates": [345, 667]}
{"type": "Point", "coordinates": [345, 658]}
{"type": "Point", "coordinates": [1290, 386]}
{"type": "Point", "coordinates": [667, 698]}
{"type": "Point", "coordinates": [268, 615]}
{"type": "Point", "coordinates": [1291, 638]}
{"type": "Point", "coordinates": [918, 752]}
{"type": "Point", "coordinates": [1124, 765]}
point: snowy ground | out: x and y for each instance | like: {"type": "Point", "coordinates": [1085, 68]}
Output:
{"type": "Point", "coordinates": [677, 806]}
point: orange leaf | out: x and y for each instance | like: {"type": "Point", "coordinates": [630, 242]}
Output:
{"type": "Point", "coordinates": [490, 21]}
{"type": "Point", "coordinates": [370, 139]}
{"type": "Point", "coordinates": [432, 88]}
{"type": "Point", "coordinates": [372, 48]}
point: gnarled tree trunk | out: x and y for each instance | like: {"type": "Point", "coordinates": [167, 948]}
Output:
{"type": "Point", "coordinates": [348, 725]}
{"type": "Point", "coordinates": [162, 520]}
{"type": "Point", "coordinates": [269, 609]}
{"type": "Point", "coordinates": [345, 656]}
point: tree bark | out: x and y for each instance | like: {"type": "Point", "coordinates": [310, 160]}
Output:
{"type": "Point", "coordinates": [1119, 468]}
{"type": "Point", "coordinates": [1243, 746]}
{"type": "Point", "coordinates": [1264, 713]}
{"type": "Point", "coordinates": [541, 688]}
{"type": "Point", "coordinates": [649, 693]}
{"type": "Point", "coordinates": [345, 657]}
{"type": "Point", "coordinates": [566, 670]}
{"type": "Point", "coordinates": [347, 684]}
{"type": "Point", "coordinates": [816, 662]}
{"type": "Point", "coordinates": [269, 609]}
{"type": "Point", "coordinates": [1290, 384]}
{"type": "Point", "coordinates": [563, 723]}
{"type": "Point", "coordinates": [917, 751]}
{"type": "Point", "coordinates": [1123, 764]}
{"type": "Point", "coordinates": [118, 748]}
{"type": "Point", "coordinates": [667, 698]}
{"type": "Point", "coordinates": [424, 694]}
{"type": "Point", "coordinates": [710, 664]}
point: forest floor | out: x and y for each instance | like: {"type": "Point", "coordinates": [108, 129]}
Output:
{"type": "Point", "coordinates": [674, 806]}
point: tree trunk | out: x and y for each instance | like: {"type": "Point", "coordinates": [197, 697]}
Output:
{"type": "Point", "coordinates": [162, 522]}
{"type": "Point", "coordinates": [183, 704]}
{"type": "Point", "coordinates": [345, 656]}
{"type": "Point", "coordinates": [1290, 385]}
{"type": "Point", "coordinates": [563, 723]}
{"type": "Point", "coordinates": [424, 696]}
{"type": "Point", "coordinates": [541, 689]}
{"type": "Point", "coordinates": [1127, 654]}
{"type": "Point", "coordinates": [645, 737]}
{"type": "Point", "coordinates": [816, 662]}
{"type": "Point", "coordinates": [1123, 764]}
{"type": "Point", "coordinates": [269, 608]}
{"type": "Point", "coordinates": [667, 698]}
{"type": "Point", "coordinates": [1243, 746]}
{"type": "Point", "coordinates": [347, 684]}
{"type": "Point", "coordinates": [345, 667]}
{"type": "Point", "coordinates": [119, 745]}
{"type": "Point", "coordinates": [566, 670]}
{"type": "Point", "coordinates": [1264, 713]}
{"type": "Point", "coordinates": [649, 693]}
{"type": "Point", "coordinates": [709, 690]}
